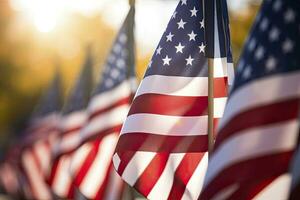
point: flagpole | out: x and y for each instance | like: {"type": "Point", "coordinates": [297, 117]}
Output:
{"type": "Point", "coordinates": [210, 104]}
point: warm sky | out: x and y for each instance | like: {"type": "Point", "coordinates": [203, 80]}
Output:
{"type": "Point", "coordinates": [47, 14]}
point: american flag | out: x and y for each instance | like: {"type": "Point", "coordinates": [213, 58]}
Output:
{"type": "Point", "coordinates": [258, 132]}
{"type": "Point", "coordinates": [162, 149]}
{"type": "Point", "coordinates": [73, 119]}
{"type": "Point", "coordinates": [295, 185]}
{"type": "Point", "coordinates": [91, 165]}
{"type": "Point", "coordinates": [38, 141]}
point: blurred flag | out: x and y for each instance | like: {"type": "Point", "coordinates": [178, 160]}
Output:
{"type": "Point", "coordinates": [258, 133]}
{"type": "Point", "coordinates": [73, 118]}
{"type": "Point", "coordinates": [295, 187]}
{"type": "Point", "coordinates": [38, 140]}
{"type": "Point", "coordinates": [91, 165]}
{"type": "Point", "coordinates": [162, 149]}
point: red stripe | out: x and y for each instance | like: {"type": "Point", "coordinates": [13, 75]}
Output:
{"type": "Point", "coordinates": [263, 115]}
{"type": "Point", "coordinates": [98, 135]}
{"type": "Point", "coordinates": [169, 105]}
{"type": "Point", "coordinates": [220, 87]}
{"type": "Point", "coordinates": [125, 159]}
{"type": "Point", "coordinates": [120, 102]}
{"type": "Point", "coordinates": [88, 161]}
{"type": "Point", "coordinates": [71, 131]}
{"type": "Point", "coordinates": [104, 185]}
{"type": "Point", "coordinates": [151, 174]}
{"type": "Point", "coordinates": [250, 189]}
{"type": "Point", "coordinates": [183, 173]}
{"type": "Point", "coordinates": [53, 171]}
{"type": "Point", "coordinates": [262, 168]}
{"type": "Point", "coordinates": [153, 143]}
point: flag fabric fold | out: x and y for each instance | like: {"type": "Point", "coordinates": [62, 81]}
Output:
{"type": "Point", "coordinates": [73, 119]}
{"type": "Point", "coordinates": [38, 141]}
{"type": "Point", "coordinates": [162, 148]}
{"type": "Point", "coordinates": [91, 165]}
{"type": "Point", "coordinates": [258, 132]}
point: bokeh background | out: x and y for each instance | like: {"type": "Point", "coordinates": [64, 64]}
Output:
{"type": "Point", "coordinates": [38, 36]}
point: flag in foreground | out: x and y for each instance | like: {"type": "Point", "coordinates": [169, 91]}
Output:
{"type": "Point", "coordinates": [258, 132]}
{"type": "Point", "coordinates": [162, 149]}
{"type": "Point", "coordinates": [91, 165]}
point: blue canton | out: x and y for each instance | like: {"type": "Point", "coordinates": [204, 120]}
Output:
{"type": "Point", "coordinates": [274, 44]}
{"type": "Point", "coordinates": [181, 50]}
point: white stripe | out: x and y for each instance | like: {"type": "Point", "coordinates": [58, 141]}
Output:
{"type": "Point", "coordinates": [62, 179]}
{"type": "Point", "coordinates": [42, 151]}
{"type": "Point", "coordinates": [106, 120]}
{"type": "Point", "coordinates": [110, 97]}
{"type": "Point", "coordinates": [262, 92]}
{"type": "Point", "coordinates": [69, 141]}
{"type": "Point", "coordinates": [36, 181]}
{"type": "Point", "coordinates": [174, 85]}
{"type": "Point", "coordinates": [162, 187]}
{"type": "Point", "coordinates": [220, 67]}
{"type": "Point", "coordinates": [219, 106]}
{"type": "Point", "coordinates": [165, 125]}
{"type": "Point", "coordinates": [194, 186]}
{"type": "Point", "coordinates": [136, 166]}
{"type": "Point", "coordinates": [74, 119]}
{"type": "Point", "coordinates": [279, 189]}
{"type": "Point", "coordinates": [114, 186]}
{"type": "Point", "coordinates": [79, 157]}
{"type": "Point", "coordinates": [263, 140]}
{"type": "Point", "coordinates": [99, 169]}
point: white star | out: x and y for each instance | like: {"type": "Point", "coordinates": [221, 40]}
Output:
{"type": "Point", "coordinates": [109, 82]}
{"type": "Point", "coordinates": [181, 24]}
{"type": "Point", "coordinates": [150, 64]}
{"type": "Point", "coordinates": [179, 48]}
{"type": "Point", "coordinates": [192, 36]}
{"type": "Point", "coordinates": [194, 12]}
{"type": "Point", "coordinates": [241, 64]}
{"type": "Point", "coordinates": [289, 16]}
{"type": "Point", "coordinates": [287, 46]}
{"type": "Point", "coordinates": [247, 72]}
{"type": "Point", "coordinates": [189, 60]}
{"type": "Point", "coordinates": [174, 15]}
{"type": "Point", "coordinates": [166, 60]}
{"type": "Point", "coordinates": [115, 73]}
{"type": "Point", "coordinates": [123, 38]}
{"type": "Point", "coordinates": [183, 2]}
{"type": "Point", "coordinates": [259, 54]}
{"type": "Point", "coordinates": [277, 5]}
{"type": "Point", "coordinates": [169, 37]}
{"type": "Point", "coordinates": [202, 23]}
{"type": "Point", "coordinates": [274, 34]}
{"type": "Point", "coordinates": [264, 24]}
{"type": "Point", "coordinates": [158, 50]}
{"type": "Point", "coordinates": [202, 48]}
{"type": "Point", "coordinates": [120, 63]}
{"type": "Point", "coordinates": [271, 63]}
{"type": "Point", "coordinates": [252, 44]}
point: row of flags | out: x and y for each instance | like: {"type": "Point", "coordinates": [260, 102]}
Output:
{"type": "Point", "coordinates": [191, 130]}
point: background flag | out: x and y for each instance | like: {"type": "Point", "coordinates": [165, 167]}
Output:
{"type": "Point", "coordinates": [259, 130]}
{"type": "Point", "coordinates": [38, 140]}
{"type": "Point", "coordinates": [73, 118]}
{"type": "Point", "coordinates": [91, 165]}
{"type": "Point", "coordinates": [162, 149]}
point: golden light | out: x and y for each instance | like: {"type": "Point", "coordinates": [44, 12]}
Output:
{"type": "Point", "coordinates": [44, 14]}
